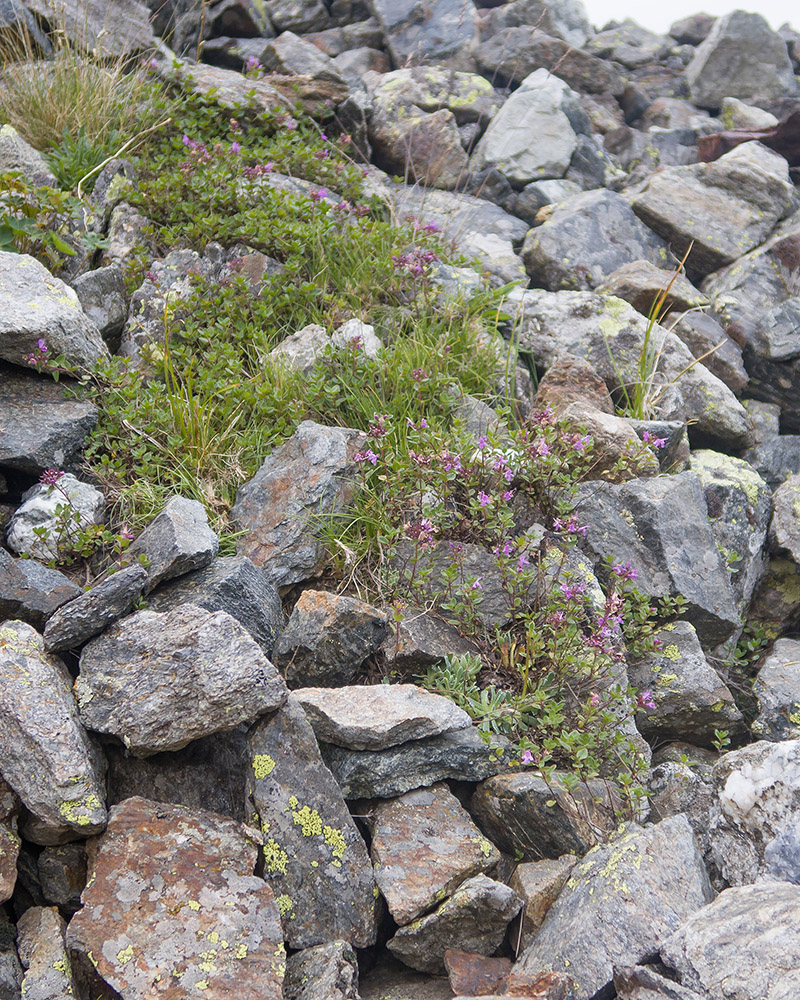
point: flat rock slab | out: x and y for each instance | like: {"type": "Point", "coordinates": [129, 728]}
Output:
{"type": "Point", "coordinates": [377, 716]}
{"type": "Point", "coordinates": [458, 755]}
{"type": "Point", "coordinates": [39, 428]}
{"type": "Point", "coordinates": [424, 845]}
{"type": "Point", "coordinates": [38, 306]}
{"type": "Point", "coordinates": [31, 592]}
{"type": "Point", "coordinates": [159, 681]}
{"type": "Point", "coordinates": [86, 616]}
{"type": "Point", "coordinates": [175, 542]}
{"type": "Point", "coordinates": [777, 689]}
{"type": "Point", "coordinates": [47, 757]}
{"type": "Point", "coordinates": [43, 953]}
{"type": "Point", "coordinates": [314, 857]}
{"type": "Point", "coordinates": [172, 903]}
{"type": "Point", "coordinates": [473, 919]}
{"type": "Point", "coordinates": [620, 905]}
{"type": "Point", "coordinates": [745, 944]}
{"type": "Point", "coordinates": [474, 975]}
{"type": "Point", "coordinates": [308, 476]}
{"type": "Point", "coordinates": [327, 638]}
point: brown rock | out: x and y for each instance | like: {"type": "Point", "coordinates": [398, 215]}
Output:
{"type": "Point", "coordinates": [617, 451]}
{"type": "Point", "coordinates": [570, 379]}
{"type": "Point", "coordinates": [474, 975]}
{"type": "Point", "coordinates": [641, 283]}
{"type": "Point", "coordinates": [539, 883]}
{"type": "Point", "coordinates": [9, 841]}
{"type": "Point", "coordinates": [172, 908]}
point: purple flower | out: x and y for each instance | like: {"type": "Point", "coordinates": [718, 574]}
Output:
{"type": "Point", "coordinates": [540, 448]}
{"type": "Point", "coordinates": [508, 496]}
{"type": "Point", "coordinates": [235, 146]}
{"type": "Point", "coordinates": [508, 548]}
{"type": "Point", "coordinates": [652, 440]}
{"type": "Point", "coordinates": [484, 499]}
{"type": "Point", "coordinates": [41, 346]}
{"type": "Point", "coordinates": [624, 571]}
{"type": "Point", "coordinates": [645, 699]}
{"type": "Point", "coordinates": [571, 591]}
{"type": "Point", "coordinates": [317, 194]}
{"type": "Point", "coordinates": [527, 757]}
{"type": "Point", "coordinates": [477, 585]}
{"type": "Point", "coordinates": [482, 442]}
{"type": "Point", "coordinates": [368, 455]}
{"type": "Point", "coordinates": [523, 561]}
{"type": "Point", "coordinates": [595, 699]}
{"type": "Point", "coordinates": [51, 476]}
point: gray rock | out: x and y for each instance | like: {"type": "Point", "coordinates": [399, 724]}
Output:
{"type": "Point", "coordinates": [726, 207]}
{"type": "Point", "coordinates": [642, 283]}
{"type": "Point", "coordinates": [300, 350]}
{"type": "Point", "coordinates": [417, 146]}
{"type": "Point", "coordinates": [40, 307]}
{"type": "Point", "coordinates": [308, 476]}
{"type": "Point", "coordinates": [473, 919]}
{"type": "Point", "coordinates": [159, 681]}
{"type": "Point", "coordinates": [298, 15]}
{"type": "Point", "coordinates": [565, 19]}
{"type": "Point", "coordinates": [592, 166]}
{"type": "Point", "coordinates": [629, 44]}
{"type": "Point", "coordinates": [661, 526]}
{"type": "Point", "coordinates": [39, 428]}
{"type": "Point", "coordinates": [291, 55]}
{"type": "Point", "coordinates": [693, 29]}
{"type": "Point", "coordinates": [776, 602]}
{"type": "Point", "coordinates": [43, 953]}
{"type": "Point", "coordinates": [314, 857]}
{"type": "Point", "coordinates": [177, 541]}
{"type": "Point", "coordinates": [741, 57]}
{"type": "Point", "coordinates": [541, 107]}
{"type": "Point", "coordinates": [31, 592]}
{"type": "Point", "coordinates": [47, 756]}
{"type": "Point", "coordinates": [537, 194]}
{"type": "Point", "coordinates": [390, 980]}
{"type": "Point", "coordinates": [88, 615]}
{"type": "Point", "coordinates": [13, 14]}
{"type": "Point", "coordinates": [103, 298]}
{"type": "Point", "coordinates": [517, 812]}
{"type": "Point", "coordinates": [458, 755]}
{"type": "Point", "coordinates": [460, 217]}
{"type": "Point", "coordinates": [80, 505]}
{"type": "Point", "coordinates": [120, 30]}
{"type": "Point", "coordinates": [755, 834]}
{"type": "Point", "coordinates": [711, 345]}
{"type": "Point", "coordinates": [231, 89]}
{"type": "Point", "coordinates": [324, 972]}
{"type": "Point", "coordinates": [735, 114]}
{"type": "Point", "coordinates": [376, 716]}
{"type": "Point", "coordinates": [441, 33]}
{"type": "Point", "coordinates": [167, 887]}
{"type": "Point", "coordinates": [232, 584]}
{"type": "Point", "coordinates": [16, 154]}
{"type": "Point", "coordinates": [538, 883]}
{"type": "Point", "coordinates": [10, 844]}
{"type": "Point", "coordinates": [777, 691]}
{"type": "Point", "coordinates": [622, 902]}
{"type": "Point", "coordinates": [689, 696]}
{"type": "Point", "coordinates": [642, 982]}
{"type": "Point", "coordinates": [424, 845]}
{"type": "Point", "coordinates": [784, 529]}
{"type": "Point", "coordinates": [586, 238]}
{"type": "Point", "coordinates": [327, 639]}
{"type": "Point", "coordinates": [778, 457]}
{"type": "Point", "coordinates": [62, 874]}
{"type": "Point", "coordinates": [746, 942]}
{"type": "Point", "coordinates": [738, 502]}
{"type": "Point", "coordinates": [356, 333]}
{"type": "Point", "coordinates": [128, 233]}
{"type": "Point", "coordinates": [421, 639]}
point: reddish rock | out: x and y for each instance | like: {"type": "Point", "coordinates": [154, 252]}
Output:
{"type": "Point", "coordinates": [9, 841]}
{"type": "Point", "coordinates": [570, 379]}
{"type": "Point", "coordinates": [474, 975]}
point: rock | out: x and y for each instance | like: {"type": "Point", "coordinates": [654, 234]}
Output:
{"type": "Point", "coordinates": [689, 696]}
{"type": "Point", "coordinates": [642, 982]}
{"type": "Point", "coordinates": [538, 883]}
{"type": "Point", "coordinates": [611, 336]}
{"type": "Point", "coordinates": [420, 640]}
{"type": "Point", "coordinates": [516, 811]}
{"type": "Point", "coordinates": [661, 526]}
{"type": "Point", "coordinates": [232, 584]}
{"type": "Point", "coordinates": [327, 639]}
{"type": "Point", "coordinates": [565, 19]}
{"type": "Point", "coordinates": [39, 428]}
{"type": "Point", "coordinates": [738, 502]}
{"type": "Point", "coordinates": [777, 691]}
{"type": "Point", "coordinates": [289, 54]}
{"type": "Point", "coordinates": [313, 855]}
{"type": "Point", "coordinates": [159, 681]}
{"type": "Point", "coordinates": [43, 953]}
{"type": "Point", "coordinates": [41, 311]}
{"type": "Point", "coordinates": [172, 898]}
{"type": "Point", "coordinates": [298, 15]}
{"type": "Point", "coordinates": [230, 89]}
{"type": "Point", "coordinates": [30, 592]}
{"type": "Point", "coordinates": [755, 835]}
{"type": "Point", "coordinates": [177, 541]}
{"type": "Point", "coordinates": [629, 44]}
{"type": "Point", "coordinates": [121, 30]}
{"type": "Point", "coordinates": [459, 755]}
{"type": "Point", "coordinates": [726, 207]}
{"type": "Point", "coordinates": [442, 33]}
{"type": "Point", "coordinates": [62, 874]}
{"type": "Point", "coordinates": [47, 757]}
{"type": "Point", "coordinates": [619, 907]}
{"type": "Point", "coordinates": [741, 57]}
{"type": "Point", "coordinates": [128, 233]}
{"type": "Point", "coordinates": [745, 941]}
{"type": "Point", "coordinates": [47, 523]}
{"type": "Point", "coordinates": [586, 238]}
{"type": "Point", "coordinates": [474, 919]}
{"type": "Point", "coordinates": [735, 114]}
{"type": "Point", "coordinates": [300, 350]}
{"type": "Point", "coordinates": [308, 476]}
{"type": "Point", "coordinates": [693, 29]}
{"type": "Point", "coordinates": [544, 107]}
{"type": "Point", "coordinates": [711, 345]}
{"type": "Point", "coordinates": [210, 773]}
{"type": "Point", "coordinates": [777, 458]}
{"type": "Point", "coordinates": [16, 154]}
{"type": "Point", "coordinates": [784, 528]}
{"type": "Point", "coordinates": [537, 194]}
{"type": "Point", "coordinates": [617, 452]}
{"type": "Point", "coordinates": [674, 456]}
{"type": "Point", "coordinates": [390, 980]}
{"type": "Point", "coordinates": [88, 615]}
{"type": "Point", "coordinates": [103, 298]}
{"type": "Point", "coordinates": [424, 845]}
{"type": "Point", "coordinates": [641, 283]}
{"type": "Point", "coordinates": [324, 972]}
{"type": "Point", "coordinates": [569, 379]}
{"type": "Point", "coordinates": [376, 716]}
{"type": "Point", "coordinates": [422, 147]}
{"type": "Point", "coordinates": [474, 975]}
{"type": "Point", "coordinates": [354, 333]}
{"type": "Point", "coordinates": [9, 845]}
{"type": "Point", "coordinates": [776, 602]}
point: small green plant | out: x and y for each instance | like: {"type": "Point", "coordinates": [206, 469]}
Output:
{"type": "Point", "coordinates": [721, 740]}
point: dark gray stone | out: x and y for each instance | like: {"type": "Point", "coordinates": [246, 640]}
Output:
{"type": "Point", "coordinates": [777, 691]}
{"type": "Point", "coordinates": [291, 55]}
{"type": "Point", "coordinates": [628, 44]}
{"type": "Point", "coordinates": [47, 523]}
{"type": "Point", "coordinates": [31, 592]}
{"type": "Point", "coordinates": [712, 346]}
{"type": "Point", "coordinates": [440, 33]}
{"type": "Point", "coordinates": [62, 874]}
{"type": "Point", "coordinates": [693, 29]}
{"type": "Point", "coordinates": [642, 982]}
{"type": "Point", "coordinates": [298, 15]}
{"type": "Point", "coordinates": [232, 584]}
{"type": "Point", "coordinates": [159, 681]}
{"type": "Point", "coordinates": [324, 972]}
{"type": "Point", "coordinates": [88, 615]}
{"type": "Point", "coordinates": [103, 299]}
{"type": "Point", "coordinates": [565, 19]}
{"type": "Point", "coordinates": [121, 29]}
{"type": "Point", "coordinates": [14, 14]}
{"type": "Point", "coordinates": [420, 640]}
{"type": "Point", "coordinates": [777, 458]}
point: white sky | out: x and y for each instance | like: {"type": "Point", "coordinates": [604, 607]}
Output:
{"type": "Point", "coordinates": [658, 17]}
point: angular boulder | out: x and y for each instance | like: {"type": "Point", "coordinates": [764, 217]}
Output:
{"type": "Point", "coordinates": [777, 691]}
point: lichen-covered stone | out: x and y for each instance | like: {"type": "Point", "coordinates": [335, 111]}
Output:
{"type": "Point", "coordinates": [43, 953]}
{"type": "Point", "coordinates": [324, 972]}
{"type": "Point", "coordinates": [313, 855]}
{"type": "Point", "coordinates": [159, 681]}
{"type": "Point", "coordinates": [31, 592]}
{"type": "Point", "coordinates": [172, 903]}
{"type": "Point", "coordinates": [47, 758]}
{"type": "Point", "coordinates": [424, 845]}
